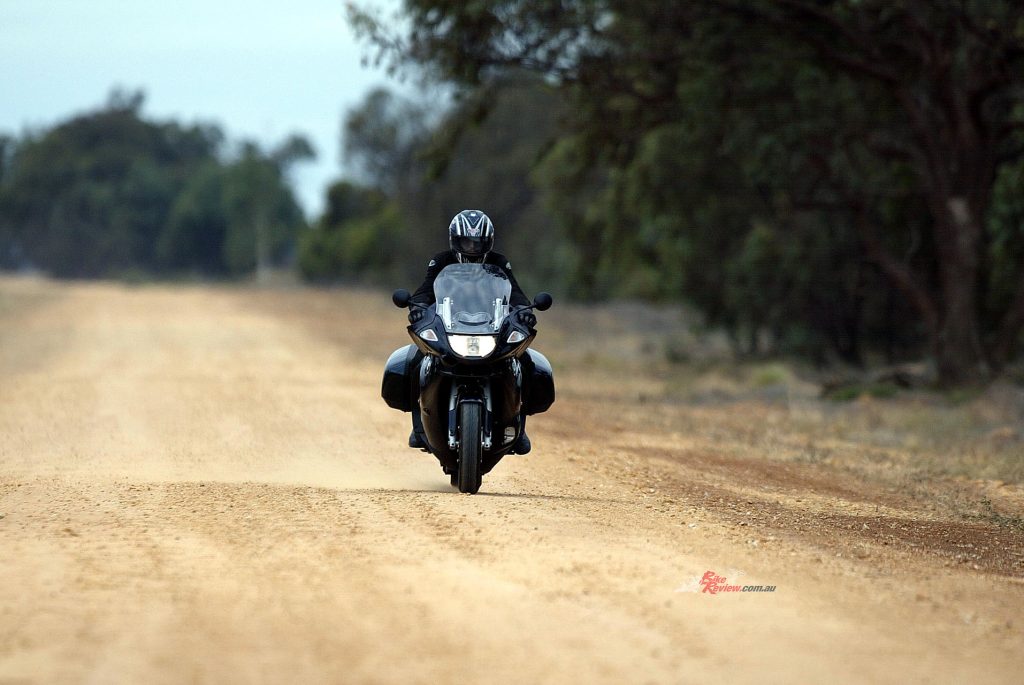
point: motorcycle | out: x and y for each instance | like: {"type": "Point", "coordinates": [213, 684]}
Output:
{"type": "Point", "coordinates": [469, 372]}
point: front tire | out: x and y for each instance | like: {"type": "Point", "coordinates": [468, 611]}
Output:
{"type": "Point", "coordinates": [470, 447]}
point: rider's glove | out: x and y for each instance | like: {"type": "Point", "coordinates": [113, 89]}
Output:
{"type": "Point", "coordinates": [527, 318]}
{"type": "Point", "coordinates": [415, 314]}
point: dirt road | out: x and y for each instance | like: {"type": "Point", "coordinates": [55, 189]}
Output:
{"type": "Point", "coordinates": [203, 485]}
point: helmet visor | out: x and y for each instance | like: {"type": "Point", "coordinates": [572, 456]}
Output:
{"type": "Point", "coordinates": [473, 246]}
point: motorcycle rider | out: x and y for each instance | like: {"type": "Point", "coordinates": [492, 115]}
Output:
{"type": "Point", "coordinates": [470, 239]}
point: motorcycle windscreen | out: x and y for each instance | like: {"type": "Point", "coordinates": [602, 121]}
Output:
{"type": "Point", "coordinates": [472, 299]}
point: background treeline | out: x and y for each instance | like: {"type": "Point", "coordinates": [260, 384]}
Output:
{"type": "Point", "coordinates": [834, 178]}
{"type": "Point", "coordinates": [415, 164]}
{"type": "Point", "coordinates": [109, 193]}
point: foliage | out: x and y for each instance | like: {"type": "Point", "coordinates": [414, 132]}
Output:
{"type": "Point", "coordinates": [262, 215]}
{"type": "Point", "coordinates": [836, 172]}
{"type": "Point", "coordinates": [109, 192]}
{"type": "Point", "coordinates": [420, 168]}
{"type": "Point", "coordinates": [356, 237]}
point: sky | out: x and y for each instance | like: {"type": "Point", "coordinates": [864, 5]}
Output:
{"type": "Point", "coordinates": [261, 69]}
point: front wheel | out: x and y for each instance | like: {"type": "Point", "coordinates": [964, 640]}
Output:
{"type": "Point", "coordinates": [470, 447]}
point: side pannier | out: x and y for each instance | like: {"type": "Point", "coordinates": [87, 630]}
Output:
{"type": "Point", "coordinates": [539, 385]}
{"type": "Point", "coordinates": [399, 385]}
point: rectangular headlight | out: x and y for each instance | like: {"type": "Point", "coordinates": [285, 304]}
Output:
{"type": "Point", "coordinates": [471, 346]}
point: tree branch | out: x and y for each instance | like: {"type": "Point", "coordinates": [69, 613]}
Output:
{"type": "Point", "coordinates": [893, 148]}
{"type": "Point", "coordinates": [898, 272]}
{"type": "Point", "coordinates": [827, 18]}
{"type": "Point", "coordinates": [828, 50]}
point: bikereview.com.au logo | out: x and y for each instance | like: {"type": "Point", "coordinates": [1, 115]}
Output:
{"type": "Point", "coordinates": [712, 584]}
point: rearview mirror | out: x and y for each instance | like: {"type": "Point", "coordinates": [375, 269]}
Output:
{"type": "Point", "coordinates": [401, 298]}
{"type": "Point", "coordinates": [542, 302]}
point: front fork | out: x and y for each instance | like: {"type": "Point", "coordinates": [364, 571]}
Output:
{"type": "Point", "coordinates": [475, 391]}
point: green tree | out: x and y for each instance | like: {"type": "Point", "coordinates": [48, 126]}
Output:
{"type": "Point", "coordinates": [90, 196]}
{"type": "Point", "coordinates": [381, 138]}
{"type": "Point", "coordinates": [193, 239]}
{"type": "Point", "coordinates": [485, 158]}
{"type": "Point", "coordinates": [889, 120]}
{"type": "Point", "coordinates": [357, 237]}
{"type": "Point", "coordinates": [430, 165]}
{"type": "Point", "coordinates": [263, 218]}
{"type": "Point", "coordinates": [110, 191]}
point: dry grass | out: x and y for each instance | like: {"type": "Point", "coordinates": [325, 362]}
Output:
{"type": "Point", "coordinates": [959, 454]}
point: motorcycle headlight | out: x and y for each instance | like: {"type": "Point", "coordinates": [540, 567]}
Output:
{"type": "Point", "coordinates": [429, 335]}
{"type": "Point", "coordinates": [470, 346]}
{"type": "Point", "coordinates": [515, 337]}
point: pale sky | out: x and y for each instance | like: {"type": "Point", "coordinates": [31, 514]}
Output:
{"type": "Point", "coordinates": [260, 69]}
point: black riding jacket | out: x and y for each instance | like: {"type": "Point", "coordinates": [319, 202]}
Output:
{"type": "Point", "coordinates": [425, 293]}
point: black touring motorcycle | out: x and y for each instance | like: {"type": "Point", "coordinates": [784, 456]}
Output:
{"type": "Point", "coordinates": [472, 370]}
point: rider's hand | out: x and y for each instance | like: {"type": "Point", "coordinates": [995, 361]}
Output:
{"type": "Point", "coordinates": [415, 315]}
{"type": "Point", "coordinates": [527, 318]}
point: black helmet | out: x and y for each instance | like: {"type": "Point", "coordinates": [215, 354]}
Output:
{"type": "Point", "coordinates": [471, 235]}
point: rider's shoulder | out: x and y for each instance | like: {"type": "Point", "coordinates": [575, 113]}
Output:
{"type": "Point", "coordinates": [442, 259]}
{"type": "Point", "coordinates": [499, 259]}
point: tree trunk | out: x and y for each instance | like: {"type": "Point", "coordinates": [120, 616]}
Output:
{"type": "Point", "coordinates": [960, 357]}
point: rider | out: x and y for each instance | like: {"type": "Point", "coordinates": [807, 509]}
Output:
{"type": "Point", "coordinates": [470, 239]}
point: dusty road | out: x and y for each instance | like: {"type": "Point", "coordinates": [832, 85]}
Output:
{"type": "Point", "coordinates": [203, 485]}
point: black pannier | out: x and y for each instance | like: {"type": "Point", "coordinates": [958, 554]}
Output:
{"type": "Point", "coordinates": [539, 385]}
{"type": "Point", "coordinates": [399, 388]}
